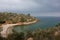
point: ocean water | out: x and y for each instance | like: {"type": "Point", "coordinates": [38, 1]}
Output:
{"type": "Point", "coordinates": [43, 22]}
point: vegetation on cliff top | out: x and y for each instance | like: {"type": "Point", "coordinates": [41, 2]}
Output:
{"type": "Point", "coordinates": [9, 17]}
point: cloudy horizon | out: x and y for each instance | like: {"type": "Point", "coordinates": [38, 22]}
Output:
{"type": "Point", "coordinates": [35, 7]}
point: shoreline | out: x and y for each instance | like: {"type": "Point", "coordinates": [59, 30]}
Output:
{"type": "Point", "coordinates": [6, 27]}
{"type": "Point", "coordinates": [21, 23]}
{"type": "Point", "coordinates": [27, 23]}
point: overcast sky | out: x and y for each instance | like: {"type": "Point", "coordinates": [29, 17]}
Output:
{"type": "Point", "coordinates": [35, 7]}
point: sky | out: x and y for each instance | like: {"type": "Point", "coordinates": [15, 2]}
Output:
{"type": "Point", "coordinates": [34, 7]}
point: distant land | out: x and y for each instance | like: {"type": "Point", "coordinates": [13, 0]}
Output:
{"type": "Point", "coordinates": [8, 20]}
{"type": "Point", "coordinates": [11, 18]}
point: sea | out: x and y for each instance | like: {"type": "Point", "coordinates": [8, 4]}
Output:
{"type": "Point", "coordinates": [43, 23]}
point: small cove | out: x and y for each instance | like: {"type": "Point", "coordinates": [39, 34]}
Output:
{"type": "Point", "coordinates": [43, 23]}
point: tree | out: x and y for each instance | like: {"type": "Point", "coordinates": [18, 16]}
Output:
{"type": "Point", "coordinates": [1, 22]}
{"type": "Point", "coordinates": [29, 14]}
{"type": "Point", "coordinates": [23, 19]}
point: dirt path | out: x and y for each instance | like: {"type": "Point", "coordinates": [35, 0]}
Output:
{"type": "Point", "coordinates": [5, 27]}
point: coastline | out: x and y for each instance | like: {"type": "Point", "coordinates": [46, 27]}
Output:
{"type": "Point", "coordinates": [27, 23]}
{"type": "Point", "coordinates": [5, 32]}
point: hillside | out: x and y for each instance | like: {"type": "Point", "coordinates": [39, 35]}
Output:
{"type": "Point", "coordinates": [9, 17]}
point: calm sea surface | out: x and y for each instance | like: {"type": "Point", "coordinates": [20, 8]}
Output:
{"type": "Point", "coordinates": [44, 22]}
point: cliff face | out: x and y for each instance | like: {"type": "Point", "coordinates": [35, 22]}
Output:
{"type": "Point", "coordinates": [14, 17]}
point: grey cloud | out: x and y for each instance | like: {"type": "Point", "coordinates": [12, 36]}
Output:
{"type": "Point", "coordinates": [33, 6]}
{"type": "Point", "coordinates": [17, 4]}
